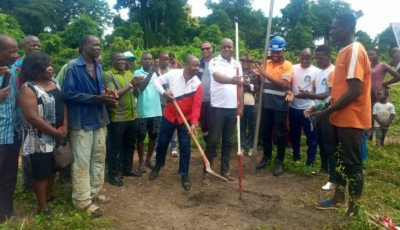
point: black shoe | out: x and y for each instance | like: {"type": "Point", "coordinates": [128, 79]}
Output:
{"type": "Point", "coordinates": [278, 171]}
{"type": "Point", "coordinates": [114, 180]}
{"type": "Point", "coordinates": [132, 173]}
{"type": "Point", "coordinates": [154, 173]}
{"type": "Point", "coordinates": [186, 184]}
{"type": "Point", "coordinates": [263, 163]}
{"type": "Point", "coordinates": [46, 213]}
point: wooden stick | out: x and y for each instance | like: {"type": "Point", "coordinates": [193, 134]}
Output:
{"type": "Point", "coordinates": [205, 160]}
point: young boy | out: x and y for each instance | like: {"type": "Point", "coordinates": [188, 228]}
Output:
{"type": "Point", "coordinates": [383, 114]}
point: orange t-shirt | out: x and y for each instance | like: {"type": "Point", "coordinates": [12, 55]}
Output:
{"type": "Point", "coordinates": [280, 71]}
{"type": "Point", "coordinates": [352, 62]}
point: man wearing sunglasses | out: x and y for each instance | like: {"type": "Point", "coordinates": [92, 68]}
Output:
{"type": "Point", "coordinates": [204, 75]}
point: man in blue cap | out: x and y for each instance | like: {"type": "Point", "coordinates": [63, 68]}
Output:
{"type": "Point", "coordinates": [277, 75]}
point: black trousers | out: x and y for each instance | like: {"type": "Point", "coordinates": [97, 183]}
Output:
{"type": "Point", "coordinates": [8, 176]}
{"type": "Point", "coordinates": [274, 119]}
{"type": "Point", "coordinates": [348, 142]}
{"type": "Point", "coordinates": [121, 140]}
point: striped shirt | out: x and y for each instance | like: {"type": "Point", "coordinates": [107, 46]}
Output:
{"type": "Point", "coordinates": [126, 109]}
{"type": "Point", "coordinates": [9, 118]}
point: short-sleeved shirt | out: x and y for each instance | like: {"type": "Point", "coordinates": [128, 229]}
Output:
{"type": "Point", "coordinates": [383, 112]}
{"type": "Point", "coordinates": [304, 79]}
{"type": "Point", "coordinates": [224, 95]}
{"type": "Point", "coordinates": [273, 95]}
{"type": "Point", "coordinates": [352, 63]}
{"type": "Point", "coordinates": [321, 83]}
{"type": "Point", "coordinates": [126, 109]}
{"type": "Point", "coordinates": [148, 104]}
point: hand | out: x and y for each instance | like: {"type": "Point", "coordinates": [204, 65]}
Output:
{"type": "Point", "coordinates": [258, 69]}
{"type": "Point", "coordinates": [60, 136]}
{"type": "Point", "coordinates": [154, 67]}
{"type": "Point", "coordinates": [4, 70]}
{"type": "Point", "coordinates": [236, 81]}
{"type": "Point", "coordinates": [289, 96]}
{"type": "Point", "coordinates": [112, 93]}
{"type": "Point", "coordinates": [137, 80]}
{"type": "Point", "coordinates": [308, 111]}
{"type": "Point", "coordinates": [169, 95]}
{"type": "Point", "coordinates": [319, 116]}
{"type": "Point", "coordinates": [302, 94]}
{"type": "Point", "coordinates": [4, 93]}
{"type": "Point", "coordinates": [108, 99]}
{"type": "Point", "coordinates": [194, 130]}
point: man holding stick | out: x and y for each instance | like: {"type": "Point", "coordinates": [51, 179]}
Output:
{"type": "Point", "coordinates": [224, 79]}
{"type": "Point", "coordinates": [186, 90]}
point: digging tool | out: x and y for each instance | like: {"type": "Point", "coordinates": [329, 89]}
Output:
{"type": "Point", "coordinates": [253, 161]}
{"type": "Point", "coordinates": [205, 160]}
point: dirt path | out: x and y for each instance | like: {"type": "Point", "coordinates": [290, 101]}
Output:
{"type": "Point", "coordinates": [268, 202]}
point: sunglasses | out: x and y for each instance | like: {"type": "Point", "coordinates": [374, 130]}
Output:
{"type": "Point", "coordinates": [205, 48]}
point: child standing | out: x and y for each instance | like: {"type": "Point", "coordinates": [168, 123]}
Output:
{"type": "Point", "coordinates": [383, 114]}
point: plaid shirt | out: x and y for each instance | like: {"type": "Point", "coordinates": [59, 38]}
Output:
{"type": "Point", "coordinates": [10, 118]}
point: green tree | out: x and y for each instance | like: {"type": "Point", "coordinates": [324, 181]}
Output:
{"type": "Point", "coordinates": [80, 26]}
{"type": "Point", "coordinates": [51, 43]}
{"type": "Point", "coordinates": [10, 26]}
{"type": "Point", "coordinates": [364, 39]}
{"type": "Point", "coordinates": [163, 21]}
{"type": "Point", "coordinates": [211, 33]}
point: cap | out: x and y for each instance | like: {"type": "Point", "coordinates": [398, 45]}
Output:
{"type": "Point", "coordinates": [129, 54]}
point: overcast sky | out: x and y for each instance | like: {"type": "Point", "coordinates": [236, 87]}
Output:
{"type": "Point", "coordinates": [377, 14]}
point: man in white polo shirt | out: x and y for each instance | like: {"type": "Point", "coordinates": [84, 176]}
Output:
{"type": "Point", "coordinates": [304, 75]}
{"type": "Point", "coordinates": [225, 72]}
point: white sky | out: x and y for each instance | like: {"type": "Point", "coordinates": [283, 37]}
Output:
{"type": "Point", "coordinates": [377, 14]}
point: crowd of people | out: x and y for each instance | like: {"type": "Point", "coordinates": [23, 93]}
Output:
{"type": "Point", "coordinates": [104, 115]}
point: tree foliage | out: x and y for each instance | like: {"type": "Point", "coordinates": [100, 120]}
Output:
{"type": "Point", "coordinates": [82, 25]}
{"type": "Point", "coordinates": [10, 26]}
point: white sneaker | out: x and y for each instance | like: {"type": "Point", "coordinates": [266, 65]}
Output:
{"type": "Point", "coordinates": [154, 154]}
{"type": "Point", "coordinates": [328, 186]}
{"type": "Point", "coordinates": [174, 153]}
{"type": "Point", "coordinates": [250, 153]}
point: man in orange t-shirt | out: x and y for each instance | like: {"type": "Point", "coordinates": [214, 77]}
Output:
{"type": "Point", "coordinates": [350, 111]}
{"type": "Point", "coordinates": [277, 75]}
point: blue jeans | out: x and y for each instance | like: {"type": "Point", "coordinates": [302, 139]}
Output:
{"type": "Point", "coordinates": [166, 131]}
{"type": "Point", "coordinates": [248, 126]}
{"type": "Point", "coordinates": [274, 119]}
{"type": "Point", "coordinates": [297, 121]}
{"type": "Point", "coordinates": [222, 122]}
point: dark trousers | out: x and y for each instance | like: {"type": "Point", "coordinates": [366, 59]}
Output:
{"type": "Point", "coordinates": [348, 142]}
{"type": "Point", "coordinates": [248, 126]}
{"type": "Point", "coordinates": [297, 121]}
{"type": "Point", "coordinates": [167, 129]}
{"type": "Point", "coordinates": [27, 184]}
{"type": "Point", "coordinates": [121, 140]}
{"type": "Point", "coordinates": [274, 119]}
{"type": "Point", "coordinates": [329, 157]}
{"type": "Point", "coordinates": [222, 123]}
{"type": "Point", "coordinates": [8, 176]}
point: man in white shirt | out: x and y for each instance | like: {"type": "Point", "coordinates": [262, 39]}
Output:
{"type": "Point", "coordinates": [304, 75]}
{"type": "Point", "coordinates": [225, 76]}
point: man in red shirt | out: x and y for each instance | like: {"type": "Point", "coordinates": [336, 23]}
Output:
{"type": "Point", "coordinates": [186, 89]}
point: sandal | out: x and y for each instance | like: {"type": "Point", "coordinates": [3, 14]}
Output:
{"type": "Point", "coordinates": [326, 205]}
{"type": "Point", "coordinates": [94, 210]}
{"type": "Point", "coordinates": [101, 199]}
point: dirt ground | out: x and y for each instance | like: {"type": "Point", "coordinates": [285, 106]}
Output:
{"type": "Point", "coordinates": [268, 202]}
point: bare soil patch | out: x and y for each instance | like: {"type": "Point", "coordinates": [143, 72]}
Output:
{"type": "Point", "coordinates": [269, 202]}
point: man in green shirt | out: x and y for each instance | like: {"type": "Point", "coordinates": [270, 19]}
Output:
{"type": "Point", "coordinates": [124, 123]}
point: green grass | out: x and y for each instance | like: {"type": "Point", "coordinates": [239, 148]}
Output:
{"type": "Point", "coordinates": [381, 192]}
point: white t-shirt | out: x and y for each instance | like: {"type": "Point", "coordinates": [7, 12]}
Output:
{"type": "Point", "coordinates": [383, 111]}
{"type": "Point", "coordinates": [303, 79]}
{"type": "Point", "coordinates": [321, 82]}
{"type": "Point", "coordinates": [224, 95]}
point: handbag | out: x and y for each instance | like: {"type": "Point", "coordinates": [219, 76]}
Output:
{"type": "Point", "coordinates": [62, 155]}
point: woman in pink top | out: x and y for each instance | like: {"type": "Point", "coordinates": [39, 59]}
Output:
{"type": "Point", "coordinates": [378, 73]}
